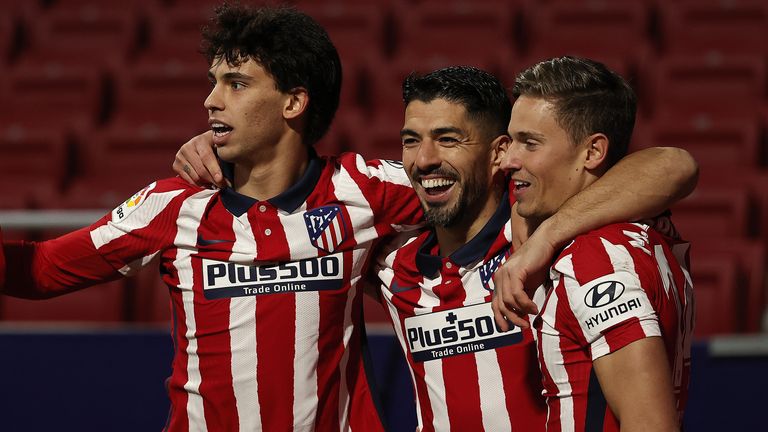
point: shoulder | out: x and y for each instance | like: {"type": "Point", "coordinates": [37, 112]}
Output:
{"type": "Point", "coordinates": [608, 249]}
{"type": "Point", "coordinates": [360, 169]}
{"type": "Point", "coordinates": [161, 193]}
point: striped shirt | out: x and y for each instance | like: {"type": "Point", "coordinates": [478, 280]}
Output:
{"type": "Point", "coordinates": [467, 375]}
{"type": "Point", "coordinates": [611, 287]}
{"type": "Point", "coordinates": [267, 307]}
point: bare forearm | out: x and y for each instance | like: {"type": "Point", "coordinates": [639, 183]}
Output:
{"type": "Point", "coordinates": [642, 185]}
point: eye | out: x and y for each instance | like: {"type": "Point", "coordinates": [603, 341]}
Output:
{"type": "Point", "coordinates": [409, 142]}
{"type": "Point", "coordinates": [448, 141]}
{"type": "Point", "coordinates": [237, 85]}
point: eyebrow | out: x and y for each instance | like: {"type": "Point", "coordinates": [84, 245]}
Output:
{"type": "Point", "coordinates": [230, 76]}
{"type": "Point", "coordinates": [436, 131]}
{"type": "Point", "coordinates": [524, 135]}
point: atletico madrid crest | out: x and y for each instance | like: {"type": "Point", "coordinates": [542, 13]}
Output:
{"type": "Point", "coordinates": [326, 227]}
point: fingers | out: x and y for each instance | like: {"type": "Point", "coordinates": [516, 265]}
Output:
{"type": "Point", "coordinates": [208, 168]}
{"type": "Point", "coordinates": [196, 162]}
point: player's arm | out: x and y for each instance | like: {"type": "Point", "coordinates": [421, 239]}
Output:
{"type": "Point", "coordinates": [39, 270]}
{"type": "Point", "coordinates": [641, 185]}
{"type": "Point", "coordinates": [637, 384]}
{"type": "Point", "coordinates": [197, 164]}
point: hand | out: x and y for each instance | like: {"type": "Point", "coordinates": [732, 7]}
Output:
{"type": "Point", "coordinates": [526, 268]}
{"type": "Point", "coordinates": [197, 164]}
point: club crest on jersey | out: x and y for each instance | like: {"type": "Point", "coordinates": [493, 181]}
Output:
{"type": "Point", "coordinates": [131, 203]}
{"type": "Point", "coordinates": [489, 268]}
{"type": "Point", "coordinates": [326, 227]}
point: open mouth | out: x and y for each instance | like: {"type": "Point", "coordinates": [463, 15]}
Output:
{"type": "Point", "coordinates": [520, 185]}
{"type": "Point", "coordinates": [436, 186]}
{"type": "Point", "coordinates": [220, 129]}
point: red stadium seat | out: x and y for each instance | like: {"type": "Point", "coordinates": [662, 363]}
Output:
{"type": "Point", "coordinates": [713, 213]}
{"type": "Point", "coordinates": [601, 30]}
{"type": "Point", "coordinates": [356, 29]}
{"type": "Point", "coordinates": [716, 295]}
{"type": "Point", "coordinates": [162, 95]}
{"type": "Point", "coordinates": [32, 168]}
{"type": "Point", "coordinates": [750, 257]}
{"type": "Point", "coordinates": [734, 142]}
{"type": "Point", "coordinates": [52, 96]}
{"type": "Point", "coordinates": [456, 29]}
{"type": "Point", "coordinates": [740, 178]}
{"type": "Point", "coordinates": [95, 36]}
{"type": "Point", "coordinates": [721, 87]}
{"type": "Point", "coordinates": [175, 34]}
{"type": "Point", "coordinates": [119, 161]}
{"type": "Point", "coordinates": [709, 27]}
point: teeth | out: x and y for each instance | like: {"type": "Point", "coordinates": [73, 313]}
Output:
{"type": "Point", "coordinates": [433, 183]}
{"type": "Point", "coordinates": [519, 183]}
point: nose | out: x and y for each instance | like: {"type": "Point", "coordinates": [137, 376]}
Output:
{"type": "Point", "coordinates": [511, 161]}
{"type": "Point", "coordinates": [213, 102]}
{"type": "Point", "coordinates": [428, 156]}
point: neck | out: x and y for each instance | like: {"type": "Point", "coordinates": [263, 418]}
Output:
{"type": "Point", "coordinates": [273, 172]}
{"type": "Point", "coordinates": [457, 235]}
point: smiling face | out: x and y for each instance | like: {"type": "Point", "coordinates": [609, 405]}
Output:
{"type": "Point", "coordinates": [451, 162]}
{"type": "Point", "coordinates": [245, 110]}
{"type": "Point", "coordinates": [546, 167]}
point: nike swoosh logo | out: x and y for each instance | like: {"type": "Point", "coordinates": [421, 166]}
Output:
{"type": "Point", "coordinates": [203, 242]}
{"type": "Point", "coordinates": [397, 288]}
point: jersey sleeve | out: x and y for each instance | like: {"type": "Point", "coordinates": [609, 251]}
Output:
{"type": "Point", "coordinates": [388, 190]}
{"type": "Point", "coordinates": [120, 242]}
{"type": "Point", "coordinates": [609, 292]}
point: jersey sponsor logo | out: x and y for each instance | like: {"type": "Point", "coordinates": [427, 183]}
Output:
{"type": "Point", "coordinates": [456, 331]}
{"type": "Point", "coordinates": [603, 294]}
{"type": "Point", "coordinates": [226, 279]}
{"type": "Point", "coordinates": [612, 312]}
{"type": "Point", "coordinates": [131, 204]}
{"type": "Point", "coordinates": [489, 267]}
{"type": "Point", "coordinates": [326, 227]}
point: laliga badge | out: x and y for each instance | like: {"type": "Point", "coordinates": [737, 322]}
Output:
{"type": "Point", "coordinates": [131, 203]}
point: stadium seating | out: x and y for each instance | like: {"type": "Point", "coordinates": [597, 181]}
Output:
{"type": "Point", "coordinates": [715, 282]}
{"type": "Point", "coordinates": [161, 95]}
{"type": "Point", "coordinates": [714, 143]}
{"type": "Point", "coordinates": [32, 168]}
{"type": "Point", "coordinates": [721, 87]}
{"type": "Point", "coordinates": [95, 36]}
{"type": "Point", "coordinates": [715, 212]}
{"type": "Point", "coordinates": [456, 29]}
{"type": "Point", "coordinates": [52, 95]}
{"type": "Point", "coordinates": [714, 27]}
{"type": "Point", "coordinates": [750, 291]}
{"type": "Point", "coordinates": [601, 30]}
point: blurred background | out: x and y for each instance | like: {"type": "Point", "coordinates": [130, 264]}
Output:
{"type": "Point", "coordinates": [97, 96]}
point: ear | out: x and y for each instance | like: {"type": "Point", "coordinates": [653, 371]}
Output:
{"type": "Point", "coordinates": [596, 151]}
{"type": "Point", "coordinates": [499, 148]}
{"type": "Point", "coordinates": [296, 103]}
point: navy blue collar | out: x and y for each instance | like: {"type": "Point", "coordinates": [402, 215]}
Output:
{"type": "Point", "coordinates": [429, 264]}
{"type": "Point", "coordinates": [291, 199]}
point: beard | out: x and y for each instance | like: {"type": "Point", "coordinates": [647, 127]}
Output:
{"type": "Point", "coordinates": [462, 209]}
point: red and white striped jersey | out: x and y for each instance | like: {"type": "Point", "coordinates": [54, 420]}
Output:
{"type": "Point", "coordinates": [611, 287]}
{"type": "Point", "coordinates": [266, 300]}
{"type": "Point", "coordinates": [467, 374]}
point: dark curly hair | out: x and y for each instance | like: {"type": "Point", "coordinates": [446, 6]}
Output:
{"type": "Point", "coordinates": [291, 46]}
